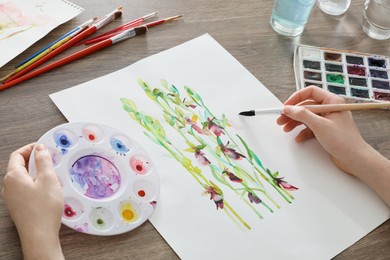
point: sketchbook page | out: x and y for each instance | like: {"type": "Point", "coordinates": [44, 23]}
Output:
{"type": "Point", "coordinates": [22, 23]}
{"type": "Point", "coordinates": [231, 187]}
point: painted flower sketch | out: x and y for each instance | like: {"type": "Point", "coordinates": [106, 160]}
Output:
{"type": "Point", "coordinates": [215, 158]}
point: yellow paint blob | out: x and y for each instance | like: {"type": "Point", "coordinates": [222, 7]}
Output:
{"type": "Point", "coordinates": [128, 213]}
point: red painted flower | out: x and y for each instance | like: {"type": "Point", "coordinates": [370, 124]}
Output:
{"type": "Point", "coordinates": [285, 185]}
{"type": "Point", "coordinates": [231, 176]}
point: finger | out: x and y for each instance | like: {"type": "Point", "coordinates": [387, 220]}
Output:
{"type": "Point", "coordinates": [44, 164]}
{"type": "Point", "coordinates": [19, 158]}
{"type": "Point", "coordinates": [317, 94]}
{"type": "Point", "coordinates": [301, 114]}
{"type": "Point", "coordinates": [304, 135]}
{"type": "Point", "coordinates": [291, 125]}
{"type": "Point", "coordinates": [283, 119]}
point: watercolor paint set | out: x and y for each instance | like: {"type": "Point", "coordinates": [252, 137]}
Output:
{"type": "Point", "coordinates": [359, 77]}
{"type": "Point", "coordinates": [109, 182]}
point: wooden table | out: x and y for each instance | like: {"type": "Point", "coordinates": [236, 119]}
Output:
{"type": "Point", "coordinates": [242, 27]}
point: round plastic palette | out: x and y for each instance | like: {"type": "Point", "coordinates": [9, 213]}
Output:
{"type": "Point", "coordinates": [109, 183]}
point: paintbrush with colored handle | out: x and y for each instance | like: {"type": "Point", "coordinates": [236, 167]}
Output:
{"type": "Point", "coordinates": [325, 108]}
{"type": "Point", "coordinates": [148, 25]}
{"type": "Point", "coordinates": [128, 25]}
{"type": "Point", "coordinates": [82, 35]}
{"type": "Point", "coordinates": [87, 51]}
{"type": "Point", "coordinates": [50, 49]}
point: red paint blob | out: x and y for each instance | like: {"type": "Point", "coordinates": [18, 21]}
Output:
{"type": "Point", "coordinates": [68, 211]}
{"type": "Point", "coordinates": [91, 137]}
{"type": "Point", "coordinates": [139, 167]}
{"type": "Point", "coordinates": [141, 193]}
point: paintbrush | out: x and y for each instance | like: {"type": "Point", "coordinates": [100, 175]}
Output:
{"type": "Point", "coordinates": [75, 56]}
{"type": "Point", "coordinates": [324, 108]}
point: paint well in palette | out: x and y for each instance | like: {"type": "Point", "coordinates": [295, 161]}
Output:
{"type": "Point", "coordinates": [337, 90]}
{"type": "Point", "coordinates": [333, 67]}
{"type": "Point", "coordinates": [380, 84]}
{"type": "Point", "coordinates": [354, 60]}
{"type": "Point", "coordinates": [356, 70]}
{"type": "Point", "coordinates": [312, 75]}
{"type": "Point", "coordinates": [315, 65]}
{"type": "Point", "coordinates": [382, 96]}
{"type": "Point", "coordinates": [362, 82]}
{"type": "Point", "coordinates": [378, 74]}
{"type": "Point", "coordinates": [308, 83]}
{"type": "Point", "coordinates": [330, 56]}
{"type": "Point", "coordinates": [360, 93]}
{"type": "Point", "coordinates": [335, 78]}
{"type": "Point", "coordinates": [377, 62]}
{"type": "Point", "coordinates": [351, 74]}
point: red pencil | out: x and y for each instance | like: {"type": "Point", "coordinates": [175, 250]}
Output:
{"type": "Point", "coordinates": [89, 50]}
{"type": "Point", "coordinates": [128, 25]}
{"type": "Point", "coordinates": [108, 35]}
{"type": "Point", "coordinates": [82, 35]}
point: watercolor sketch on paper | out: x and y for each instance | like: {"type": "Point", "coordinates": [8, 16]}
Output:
{"type": "Point", "coordinates": [24, 22]}
{"type": "Point", "coordinates": [215, 158]}
{"type": "Point", "coordinates": [13, 20]}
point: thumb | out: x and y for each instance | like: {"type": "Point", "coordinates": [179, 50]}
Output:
{"type": "Point", "coordinates": [301, 114]}
{"type": "Point", "coordinates": [43, 163]}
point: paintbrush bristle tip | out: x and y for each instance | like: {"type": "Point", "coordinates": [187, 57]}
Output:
{"type": "Point", "coordinates": [247, 113]}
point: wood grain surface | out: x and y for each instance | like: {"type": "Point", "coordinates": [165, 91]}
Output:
{"type": "Point", "coordinates": [242, 27]}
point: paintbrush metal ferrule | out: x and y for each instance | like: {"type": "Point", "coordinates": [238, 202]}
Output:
{"type": "Point", "coordinates": [128, 34]}
{"type": "Point", "coordinates": [148, 16]}
{"type": "Point", "coordinates": [173, 17]}
{"type": "Point", "coordinates": [108, 18]}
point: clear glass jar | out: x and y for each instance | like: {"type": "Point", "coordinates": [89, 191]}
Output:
{"type": "Point", "coordinates": [334, 7]}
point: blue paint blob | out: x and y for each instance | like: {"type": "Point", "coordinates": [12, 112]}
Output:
{"type": "Point", "coordinates": [118, 146]}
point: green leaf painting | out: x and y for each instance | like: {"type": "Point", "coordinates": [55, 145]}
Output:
{"type": "Point", "coordinates": [217, 160]}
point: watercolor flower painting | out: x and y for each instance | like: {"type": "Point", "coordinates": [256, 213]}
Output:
{"type": "Point", "coordinates": [212, 155]}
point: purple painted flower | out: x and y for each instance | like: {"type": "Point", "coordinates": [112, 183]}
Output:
{"type": "Point", "coordinates": [231, 176]}
{"type": "Point", "coordinates": [253, 198]}
{"type": "Point", "coordinates": [230, 152]}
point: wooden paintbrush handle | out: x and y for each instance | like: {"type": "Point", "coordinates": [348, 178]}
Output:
{"type": "Point", "coordinates": [345, 107]}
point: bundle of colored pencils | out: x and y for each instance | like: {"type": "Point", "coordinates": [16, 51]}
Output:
{"type": "Point", "coordinates": [75, 37]}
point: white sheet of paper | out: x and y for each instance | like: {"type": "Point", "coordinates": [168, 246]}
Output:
{"type": "Point", "coordinates": [22, 23]}
{"type": "Point", "coordinates": [330, 212]}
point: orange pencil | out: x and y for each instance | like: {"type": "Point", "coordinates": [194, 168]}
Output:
{"type": "Point", "coordinates": [96, 26]}
{"type": "Point", "coordinates": [89, 50]}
